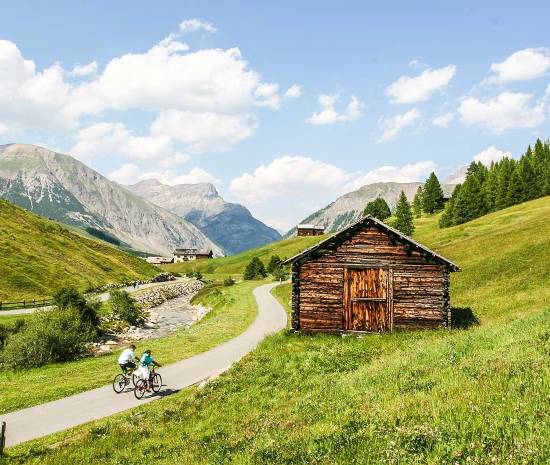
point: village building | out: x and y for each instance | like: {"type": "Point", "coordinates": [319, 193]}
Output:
{"type": "Point", "coordinates": [309, 230]}
{"type": "Point", "coordinates": [184, 255]}
{"type": "Point", "coordinates": [369, 277]}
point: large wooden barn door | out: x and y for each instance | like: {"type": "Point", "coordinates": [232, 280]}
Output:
{"type": "Point", "coordinates": [367, 303]}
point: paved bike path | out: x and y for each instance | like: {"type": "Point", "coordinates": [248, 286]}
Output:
{"type": "Point", "coordinates": [41, 420]}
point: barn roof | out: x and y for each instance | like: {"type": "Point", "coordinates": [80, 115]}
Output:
{"type": "Point", "coordinates": [341, 236]}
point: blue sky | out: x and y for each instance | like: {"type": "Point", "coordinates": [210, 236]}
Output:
{"type": "Point", "coordinates": [284, 105]}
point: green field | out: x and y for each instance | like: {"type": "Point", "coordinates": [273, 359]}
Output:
{"type": "Point", "coordinates": [472, 396]}
{"type": "Point", "coordinates": [39, 256]}
{"type": "Point", "coordinates": [235, 264]}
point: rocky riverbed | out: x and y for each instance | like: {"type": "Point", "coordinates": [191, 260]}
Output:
{"type": "Point", "coordinates": [167, 308]}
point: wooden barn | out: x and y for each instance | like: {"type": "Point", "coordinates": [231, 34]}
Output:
{"type": "Point", "coordinates": [369, 277]}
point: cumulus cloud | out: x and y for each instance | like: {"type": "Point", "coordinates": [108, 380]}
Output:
{"type": "Point", "coordinates": [506, 111]}
{"type": "Point", "coordinates": [130, 173]}
{"type": "Point", "coordinates": [212, 91]}
{"type": "Point", "coordinates": [443, 121]}
{"type": "Point", "coordinates": [329, 115]}
{"type": "Point", "coordinates": [395, 124]}
{"type": "Point", "coordinates": [85, 70]}
{"type": "Point", "coordinates": [523, 65]}
{"type": "Point", "coordinates": [491, 154]}
{"type": "Point", "coordinates": [418, 89]}
{"type": "Point", "coordinates": [293, 91]}
{"type": "Point", "coordinates": [195, 24]}
{"type": "Point", "coordinates": [287, 175]}
{"type": "Point", "coordinates": [417, 64]}
{"type": "Point", "coordinates": [407, 173]}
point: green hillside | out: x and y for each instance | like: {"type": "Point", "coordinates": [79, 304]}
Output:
{"type": "Point", "coordinates": [40, 255]}
{"type": "Point", "coordinates": [235, 264]}
{"type": "Point", "coordinates": [464, 396]}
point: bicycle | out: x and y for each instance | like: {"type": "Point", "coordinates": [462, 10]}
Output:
{"type": "Point", "coordinates": [141, 385]}
{"type": "Point", "coordinates": [123, 379]}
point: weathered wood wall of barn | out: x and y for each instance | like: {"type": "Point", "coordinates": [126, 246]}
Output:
{"type": "Point", "coordinates": [420, 289]}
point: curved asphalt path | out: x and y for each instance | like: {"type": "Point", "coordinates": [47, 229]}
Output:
{"type": "Point", "coordinates": [35, 422]}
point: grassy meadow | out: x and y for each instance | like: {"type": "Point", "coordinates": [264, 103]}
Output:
{"type": "Point", "coordinates": [39, 256]}
{"type": "Point", "coordinates": [464, 396]}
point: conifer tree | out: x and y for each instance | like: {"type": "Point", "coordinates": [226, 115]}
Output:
{"type": "Point", "coordinates": [417, 203]}
{"type": "Point", "coordinates": [448, 217]}
{"type": "Point", "coordinates": [378, 208]}
{"type": "Point", "coordinates": [432, 196]}
{"type": "Point", "coordinates": [515, 189]}
{"type": "Point", "coordinates": [403, 215]}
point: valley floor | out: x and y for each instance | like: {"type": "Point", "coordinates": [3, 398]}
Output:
{"type": "Point", "coordinates": [477, 395]}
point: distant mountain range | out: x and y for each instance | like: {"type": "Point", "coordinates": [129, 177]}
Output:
{"type": "Point", "coordinates": [348, 208]}
{"type": "Point", "coordinates": [62, 188]}
{"type": "Point", "coordinates": [230, 225]}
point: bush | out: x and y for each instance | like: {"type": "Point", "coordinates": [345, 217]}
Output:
{"type": "Point", "coordinates": [163, 277]}
{"type": "Point", "coordinates": [254, 270]}
{"type": "Point", "coordinates": [70, 297]}
{"type": "Point", "coordinates": [194, 274]}
{"type": "Point", "coordinates": [49, 337]}
{"type": "Point", "coordinates": [125, 308]}
{"type": "Point", "coordinates": [228, 281]}
{"type": "Point", "coordinates": [7, 330]}
{"type": "Point", "coordinates": [280, 274]}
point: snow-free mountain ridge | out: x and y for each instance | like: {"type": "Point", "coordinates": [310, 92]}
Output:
{"type": "Point", "coordinates": [60, 187]}
{"type": "Point", "coordinates": [230, 225]}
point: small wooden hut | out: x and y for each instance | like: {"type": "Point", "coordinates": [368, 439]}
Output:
{"type": "Point", "coordinates": [369, 277]}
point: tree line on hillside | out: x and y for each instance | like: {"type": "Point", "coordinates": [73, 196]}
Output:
{"type": "Point", "coordinates": [255, 269]}
{"type": "Point", "coordinates": [504, 183]}
{"type": "Point", "coordinates": [429, 199]}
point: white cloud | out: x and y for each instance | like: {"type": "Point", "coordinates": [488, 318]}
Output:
{"type": "Point", "coordinates": [175, 160]}
{"type": "Point", "coordinates": [418, 89]}
{"type": "Point", "coordinates": [294, 91]}
{"type": "Point", "coordinates": [523, 65]}
{"type": "Point", "coordinates": [205, 130]}
{"type": "Point", "coordinates": [195, 24]}
{"type": "Point", "coordinates": [329, 115]}
{"type": "Point", "coordinates": [287, 175]}
{"type": "Point", "coordinates": [417, 64]}
{"type": "Point", "coordinates": [115, 139]}
{"type": "Point", "coordinates": [85, 70]}
{"type": "Point", "coordinates": [506, 111]}
{"type": "Point", "coordinates": [395, 124]}
{"type": "Point", "coordinates": [491, 154]}
{"type": "Point", "coordinates": [130, 173]}
{"type": "Point", "coordinates": [443, 121]}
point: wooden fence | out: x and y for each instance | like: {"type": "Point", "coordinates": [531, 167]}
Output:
{"type": "Point", "coordinates": [25, 304]}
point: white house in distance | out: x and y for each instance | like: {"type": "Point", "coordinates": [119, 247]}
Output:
{"type": "Point", "coordinates": [185, 255]}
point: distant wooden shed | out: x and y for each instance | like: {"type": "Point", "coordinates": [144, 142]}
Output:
{"type": "Point", "coordinates": [369, 277]}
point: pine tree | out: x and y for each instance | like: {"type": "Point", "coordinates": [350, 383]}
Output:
{"type": "Point", "coordinates": [530, 182]}
{"type": "Point", "coordinates": [515, 189]}
{"type": "Point", "coordinates": [432, 196]}
{"type": "Point", "coordinates": [417, 203]}
{"type": "Point", "coordinates": [403, 215]}
{"type": "Point", "coordinates": [378, 208]}
{"type": "Point", "coordinates": [507, 167]}
{"type": "Point", "coordinates": [254, 270]}
{"type": "Point", "coordinates": [448, 218]}
{"type": "Point", "coordinates": [273, 264]}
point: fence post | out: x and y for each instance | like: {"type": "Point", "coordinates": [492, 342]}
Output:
{"type": "Point", "coordinates": [2, 437]}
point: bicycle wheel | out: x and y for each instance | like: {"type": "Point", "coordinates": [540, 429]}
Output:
{"type": "Point", "coordinates": [157, 382]}
{"type": "Point", "coordinates": [119, 383]}
{"type": "Point", "coordinates": [134, 379]}
{"type": "Point", "coordinates": [141, 387]}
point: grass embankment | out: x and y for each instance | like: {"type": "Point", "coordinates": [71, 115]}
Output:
{"type": "Point", "coordinates": [463, 396]}
{"type": "Point", "coordinates": [39, 256]}
{"type": "Point", "coordinates": [233, 310]}
{"type": "Point", "coordinates": [234, 265]}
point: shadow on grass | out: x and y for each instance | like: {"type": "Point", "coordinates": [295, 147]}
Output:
{"type": "Point", "coordinates": [463, 318]}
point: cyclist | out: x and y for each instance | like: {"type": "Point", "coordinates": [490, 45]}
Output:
{"type": "Point", "coordinates": [127, 359]}
{"type": "Point", "coordinates": [146, 362]}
